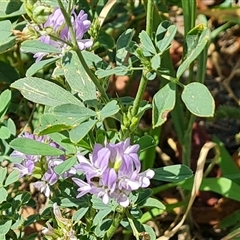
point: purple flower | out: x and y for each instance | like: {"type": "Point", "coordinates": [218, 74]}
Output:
{"type": "Point", "coordinates": [112, 172]}
{"type": "Point", "coordinates": [56, 24]}
{"type": "Point", "coordinates": [41, 167]}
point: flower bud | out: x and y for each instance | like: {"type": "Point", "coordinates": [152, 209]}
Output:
{"type": "Point", "coordinates": [41, 13]}
{"type": "Point", "coordinates": [29, 6]}
{"type": "Point", "coordinates": [134, 124]}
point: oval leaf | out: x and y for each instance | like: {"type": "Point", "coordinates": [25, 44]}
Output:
{"type": "Point", "coordinates": [32, 147]}
{"type": "Point", "coordinates": [12, 177]}
{"type": "Point", "coordinates": [194, 48]}
{"type": "Point", "coordinates": [163, 103]}
{"type": "Point", "coordinates": [35, 67]}
{"type": "Point", "coordinates": [109, 110]}
{"type": "Point", "coordinates": [174, 173]}
{"type": "Point", "coordinates": [35, 46]}
{"type": "Point", "coordinates": [65, 165]}
{"type": "Point", "coordinates": [44, 92]}
{"type": "Point", "coordinates": [152, 202]}
{"type": "Point", "coordinates": [79, 132]}
{"type": "Point", "coordinates": [198, 100]}
{"type": "Point", "coordinates": [76, 76]}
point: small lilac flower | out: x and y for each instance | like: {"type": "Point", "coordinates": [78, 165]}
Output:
{"type": "Point", "coordinates": [112, 172]}
{"type": "Point", "coordinates": [43, 187]}
{"type": "Point", "coordinates": [41, 167]}
{"type": "Point", "coordinates": [56, 24]}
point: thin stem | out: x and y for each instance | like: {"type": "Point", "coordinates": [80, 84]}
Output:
{"type": "Point", "coordinates": [115, 224]}
{"type": "Point", "coordinates": [143, 81]}
{"type": "Point", "coordinates": [149, 24]}
{"type": "Point", "coordinates": [187, 141]}
{"type": "Point", "coordinates": [139, 96]}
{"type": "Point", "coordinates": [69, 24]}
{"type": "Point", "coordinates": [131, 222]}
{"type": "Point", "coordinates": [79, 53]}
{"type": "Point", "coordinates": [91, 75]}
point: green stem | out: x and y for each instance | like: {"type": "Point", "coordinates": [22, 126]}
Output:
{"type": "Point", "coordinates": [115, 224]}
{"type": "Point", "coordinates": [143, 81]}
{"type": "Point", "coordinates": [131, 222]}
{"type": "Point", "coordinates": [139, 96]}
{"type": "Point", "coordinates": [79, 53]}
{"type": "Point", "coordinates": [187, 141]}
{"type": "Point", "coordinates": [91, 75]}
{"type": "Point", "coordinates": [149, 24]}
{"type": "Point", "coordinates": [189, 12]}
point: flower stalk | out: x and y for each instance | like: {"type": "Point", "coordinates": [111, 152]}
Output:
{"type": "Point", "coordinates": [80, 56]}
{"type": "Point", "coordinates": [144, 80]}
{"type": "Point", "coordinates": [115, 224]}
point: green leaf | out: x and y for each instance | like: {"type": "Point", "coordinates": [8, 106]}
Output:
{"type": "Point", "coordinates": [4, 132]}
{"type": "Point", "coordinates": [152, 202]}
{"type": "Point", "coordinates": [163, 103]}
{"type": "Point", "coordinates": [105, 40]}
{"type": "Point", "coordinates": [11, 126]}
{"type": "Point", "coordinates": [173, 173]}
{"type": "Point", "coordinates": [226, 163]}
{"type": "Point", "coordinates": [79, 132]}
{"type": "Point", "coordinates": [73, 111]}
{"type": "Point", "coordinates": [100, 216]}
{"type": "Point", "coordinates": [3, 194]}
{"type": "Point", "coordinates": [141, 195]}
{"type": "Point", "coordinates": [99, 205]}
{"type": "Point", "coordinates": [5, 29]}
{"type": "Point", "coordinates": [110, 109]}
{"type": "Point", "coordinates": [230, 220]}
{"type": "Point", "coordinates": [44, 92]}
{"type": "Point", "coordinates": [12, 177]}
{"type": "Point", "coordinates": [146, 41]}
{"type": "Point", "coordinates": [198, 99]}
{"type": "Point", "coordinates": [154, 212]}
{"type": "Point", "coordinates": [23, 197]}
{"type": "Point", "coordinates": [31, 219]}
{"type": "Point", "coordinates": [5, 99]}
{"type": "Point", "coordinates": [74, 202]}
{"type": "Point", "coordinates": [78, 215]}
{"type": "Point", "coordinates": [18, 223]}
{"type": "Point", "coordinates": [32, 147]}
{"type": "Point", "coordinates": [119, 71]}
{"type": "Point", "coordinates": [5, 226]}
{"type": "Point", "coordinates": [195, 47]}
{"type": "Point", "coordinates": [7, 43]}
{"type": "Point", "coordinates": [8, 74]}
{"type": "Point", "coordinates": [57, 127]}
{"type": "Point", "coordinates": [35, 67]}
{"type": "Point", "coordinates": [51, 123]}
{"type": "Point", "coordinates": [164, 35]}
{"type": "Point", "coordinates": [77, 77]}
{"type": "Point", "coordinates": [155, 62]}
{"type": "Point", "coordinates": [59, 138]}
{"type": "Point", "coordinates": [3, 174]}
{"type": "Point", "coordinates": [11, 9]}
{"type": "Point", "coordinates": [65, 165]}
{"type": "Point", "coordinates": [122, 44]}
{"type": "Point", "coordinates": [35, 46]}
{"type": "Point", "coordinates": [150, 234]}
{"type": "Point", "coordinates": [222, 186]}
{"type": "Point", "coordinates": [145, 142]}
{"type": "Point", "coordinates": [92, 59]}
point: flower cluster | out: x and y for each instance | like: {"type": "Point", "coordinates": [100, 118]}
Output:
{"type": "Point", "coordinates": [55, 26]}
{"type": "Point", "coordinates": [41, 167]}
{"type": "Point", "coordinates": [112, 172]}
